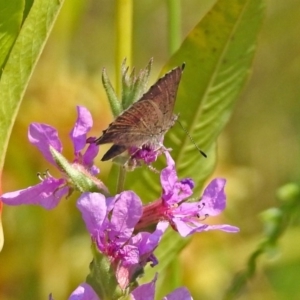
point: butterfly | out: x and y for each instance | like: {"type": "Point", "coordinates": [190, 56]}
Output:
{"type": "Point", "coordinates": [147, 120]}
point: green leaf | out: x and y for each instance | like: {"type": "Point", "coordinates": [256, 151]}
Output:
{"type": "Point", "coordinates": [218, 54]}
{"type": "Point", "coordinates": [11, 15]}
{"type": "Point", "coordinates": [21, 62]}
{"type": "Point", "coordinates": [172, 243]}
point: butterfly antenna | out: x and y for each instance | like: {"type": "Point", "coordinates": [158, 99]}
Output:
{"type": "Point", "coordinates": [192, 140]}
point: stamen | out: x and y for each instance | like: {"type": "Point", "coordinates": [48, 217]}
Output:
{"type": "Point", "coordinates": [44, 175]}
{"type": "Point", "coordinates": [47, 173]}
{"type": "Point", "coordinates": [39, 175]}
{"type": "Point", "coordinates": [205, 217]}
{"type": "Point", "coordinates": [201, 205]}
{"type": "Point", "coordinates": [151, 168]}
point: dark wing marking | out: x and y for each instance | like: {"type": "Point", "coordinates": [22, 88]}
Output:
{"type": "Point", "coordinates": [113, 151]}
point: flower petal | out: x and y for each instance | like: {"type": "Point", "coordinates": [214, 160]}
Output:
{"type": "Point", "coordinates": [88, 158]}
{"type": "Point", "coordinates": [179, 294]}
{"type": "Point", "coordinates": [42, 136]}
{"type": "Point", "coordinates": [84, 292]}
{"type": "Point", "coordinates": [126, 213]}
{"type": "Point", "coordinates": [148, 243]}
{"type": "Point", "coordinates": [145, 291]}
{"type": "Point", "coordinates": [185, 228]}
{"type": "Point", "coordinates": [182, 190]}
{"type": "Point", "coordinates": [146, 154]}
{"type": "Point", "coordinates": [174, 191]}
{"type": "Point", "coordinates": [82, 126]}
{"type": "Point", "coordinates": [170, 160]}
{"type": "Point", "coordinates": [47, 193]}
{"type": "Point", "coordinates": [168, 177]}
{"type": "Point", "coordinates": [130, 257]}
{"type": "Point", "coordinates": [223, 227]}
{"type": "Point", "coordinates": [214, 198]}
{"type": "Point", "coordinates": [93, 209]}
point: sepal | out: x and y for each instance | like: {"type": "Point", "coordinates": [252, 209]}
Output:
{"type": "Point", "coordinates": [79, 177]}
{"type": "Point", "coordinates": [102, 277]}
{"type": "Point", "coordinates": [133, 87]}
{"type": "Point", "coordinates": [115, 104]}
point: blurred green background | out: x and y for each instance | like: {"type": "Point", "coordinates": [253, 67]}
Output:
{"type": "Point", "coordinates": [48, 251]}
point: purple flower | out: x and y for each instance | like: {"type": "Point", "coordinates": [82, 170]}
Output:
{"type": "Point", "coordinates": [84, 292]}
{"type": "Point", "coordinates": [111, 223]}
{"type": "Point", "coordinates": [186, 217]}
{"type": "Point", "coordinates": [50, 190]}
{"type": "Point", "coordinates": [147, 292]}
{"type": "Point", "coordinates": [143, 292]}
{"type": "Point", "coordinates": [144, 154]}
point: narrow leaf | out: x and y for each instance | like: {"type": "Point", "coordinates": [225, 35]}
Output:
{"type": "Point", "coordinates": [11, 14]}
{"type": "Point", "coordinates": [21, 62]}
{"type": "Point", "coordinates": [218, 54]}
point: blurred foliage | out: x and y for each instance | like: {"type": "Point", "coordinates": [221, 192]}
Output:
{"type": "Point", "coordinates": [46, 251]}
{"type": "Point", "coordinates": [276, 221]}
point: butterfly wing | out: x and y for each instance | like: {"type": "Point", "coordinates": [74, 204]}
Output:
{"type": "Point", "coordinates": [147, 119]}
{"type": "Point", "coordinates": [132, 127]}
{"type": "Point", "coordinates": [163, 94]}
{"type": "Point", "coordinates": [113, 151]}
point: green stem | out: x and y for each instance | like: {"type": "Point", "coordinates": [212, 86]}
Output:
{"type": "Point", "coordinates": [174, 25]}
{"type": "Point", "coordinates": [174, 272]}
{"type": "Point", "coordinates": [123, 50]}
{"type": "Point", "coordinates": [121, 179]}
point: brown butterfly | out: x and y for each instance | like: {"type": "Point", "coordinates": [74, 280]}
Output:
{"type": "Point", "coordinates": [147, 120]}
